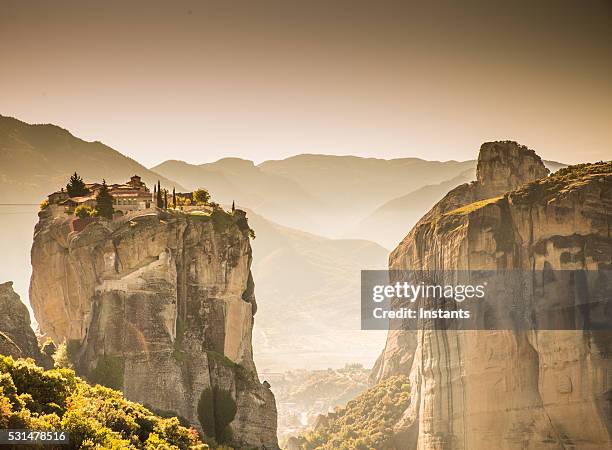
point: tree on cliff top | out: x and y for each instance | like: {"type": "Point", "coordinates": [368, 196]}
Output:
{"type": "Point", "coordinates": [104, 202]}
{"type": "Point", "coordinates": [76, 186]}
{"type": "Point", "coordinates": [158, 198]}
{"type": "Point", "coordinates": [201, 196]}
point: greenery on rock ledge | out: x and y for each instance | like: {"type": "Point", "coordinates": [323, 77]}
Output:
{"type": "Point", "coordinates": [562, 182]}
{"type": "Point", "coordinates": [95, 416]}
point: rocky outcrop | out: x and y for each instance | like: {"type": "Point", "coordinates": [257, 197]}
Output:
{"type": "Point", "coordinates": [17, 339]}
{"type": "Point", "coordinates": [504, 166]}
{"type": "Point", "coordinates": [160, 306]}
{"type": "Point", "coordinates": [530, 389]}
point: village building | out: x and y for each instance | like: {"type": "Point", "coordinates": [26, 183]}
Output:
{"type": "Point", "coordinates": [72, 202]}
{"type": "Point", "coordinates": [58, 196]}
{"type": "Point", "coordinates": [134, 195]}
{"type": "Point", "coordinates": [131, 196]}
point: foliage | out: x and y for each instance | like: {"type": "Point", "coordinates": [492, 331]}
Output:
{"type": "Point", "coordinates": [83, 211]}
{"type": "Point", "coordinates": [44, 204]}
{"type": "Point", "coordinates": [206, 413]}
{"type": "Point", "coordinates": [467, 209]}
{"type": "Point", "coordinates": [216, 410]}
{"type": "Point", "coordinates": [366, 422]}
{"type": "Point", "coordinates": [201, 196]}
{"type": "Point", "coordinates": [563, 181]}
{"type": "Point", "coordinates": [48, 348]}
{"type": "Point", "coordinates": [95, 416]}
{"type": "Point", "coordinates": [61, 357]}
{"type": "Point", "coordinates": [221, 220]}
{"type": "Point", "coordinates": [76, 186]}
{"type": "Point", "coordinates": [183, 201]}
{"type": "Point", "coordinates": [104, 202]}
{"type": "Point", "coordinates": [158, 196]}
{"type": "Point", "coordinates": [40, 391]}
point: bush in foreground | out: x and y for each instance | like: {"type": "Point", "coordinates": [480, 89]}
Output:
{"type": "Point", "coordinates": [95, 416]}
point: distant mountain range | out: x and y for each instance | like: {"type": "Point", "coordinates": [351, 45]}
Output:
{"type": "Point", "coordinates": [322, 194]}
{"type": "Point", "coordinates": [37, 159]}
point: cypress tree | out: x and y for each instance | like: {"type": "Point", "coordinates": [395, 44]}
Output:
{"type": "Point", "coordinates": [76, 186]}
{"type": "Point", "coordinates": [174, 197]}
{"type": "Point", "coordinates": [104, 202]}
{"type": "Point", "coordinates": [165, 199]}
{"type": "Point", "coordinates": [159, 196]}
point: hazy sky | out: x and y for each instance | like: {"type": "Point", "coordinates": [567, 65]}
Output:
{"type": "Point", "coordinates": [201, 80]}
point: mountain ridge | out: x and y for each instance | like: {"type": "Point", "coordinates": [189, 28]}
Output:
{"type": "Point", "coordinates": [37, 157]}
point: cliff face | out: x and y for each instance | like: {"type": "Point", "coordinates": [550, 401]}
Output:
{"type": "Point", "coordinates": [161, 307]}
{"type": "Point", "coordinates": [17, 339]}
{"type": "Point", "coordinates": [508, 389]}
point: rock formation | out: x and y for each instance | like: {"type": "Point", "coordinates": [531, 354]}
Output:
{"type": "Point", "coordinates": [531, 389]}
{"type": "Point", "coordinates": [17, 339]}
{"type": "Point", "coordinates": [160, 306]}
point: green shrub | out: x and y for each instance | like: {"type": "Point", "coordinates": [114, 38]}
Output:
{"type": "Point", "coordinates": [201, 196]}
{"type": "Point", "coordinates": [61, 357]}
{"type": "Point", "coordinates": [206, 413]}
{"type": "Point", "coordinates": [43, 391]}
{"type": "Point", "coordinates": [221, 219]}
{"type": "Point", "coordinates": [216, 410]}
{"type": "Point", "coordinates": [83, 211]}
{"type": "Point", "coordinates": [95, 416]}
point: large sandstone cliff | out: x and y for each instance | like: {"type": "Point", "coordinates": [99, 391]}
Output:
{"type": "Point", "coordinates": [160, 306]}
{"type": "Point", "coordinates": [529, 389]}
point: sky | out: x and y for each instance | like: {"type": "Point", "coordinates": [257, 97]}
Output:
{"type": "Point", "coordinates": [203, 80]}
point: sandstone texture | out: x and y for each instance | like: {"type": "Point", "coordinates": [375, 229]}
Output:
{"type": "Point", "coordinates": [160, 306]}
{"type": "Point", "coordinates": [528, 389]}
{"type": "Point", "coordinates": [17, 339]}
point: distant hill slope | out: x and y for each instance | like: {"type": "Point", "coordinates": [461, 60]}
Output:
{"type": "Point", "coordinates": [322, 194]}
{"type": "Point", "coordinates": [364, 423]}
{"type": "Point", "coordinates": [35, 159]}
{"type": "Point", "coordinates": [356, 183]}
{"type": "Point", "coordinates": [395, 216]}
{"type": "Point", "coordinates": [308, 297]}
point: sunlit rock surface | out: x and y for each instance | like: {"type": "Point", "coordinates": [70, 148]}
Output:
{"type": "Point", "coordinates": [508, 389]}
{"type": "Point", "coordinates": [160, 306]}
